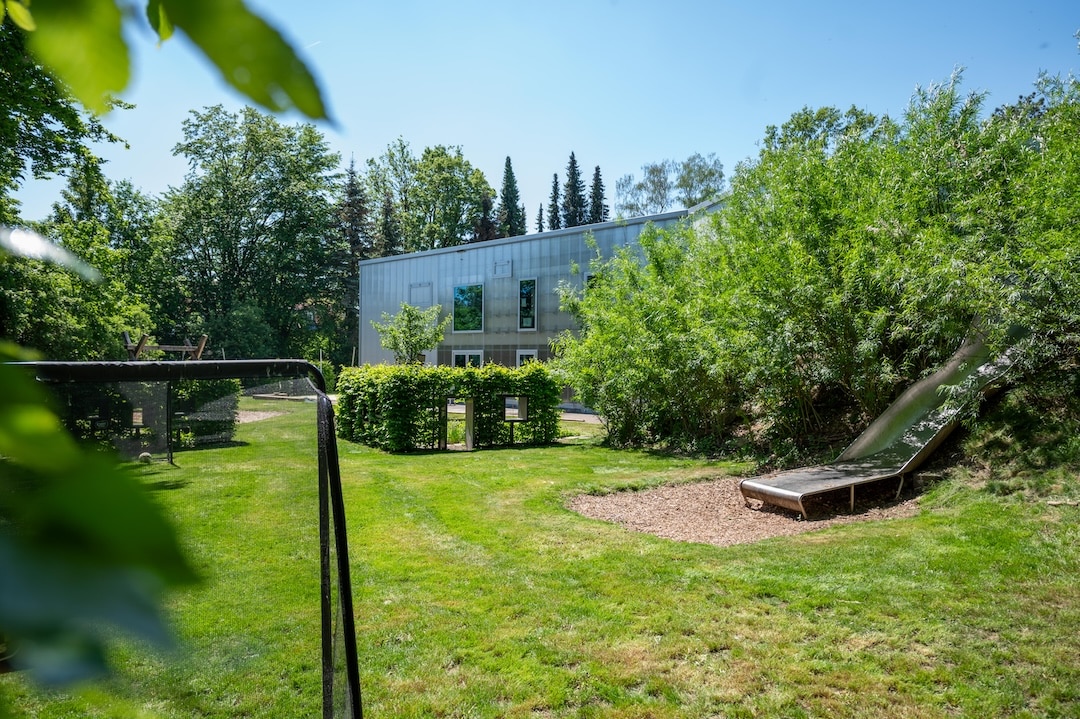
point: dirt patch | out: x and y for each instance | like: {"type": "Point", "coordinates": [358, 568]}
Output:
{"type": "Point", "coordinates": [714, 512]}
{"type": "Point", "coordinates": [244, 416]}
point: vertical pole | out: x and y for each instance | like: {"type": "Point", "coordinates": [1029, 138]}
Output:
{"type": "Point", "coordinates": [469, 424]}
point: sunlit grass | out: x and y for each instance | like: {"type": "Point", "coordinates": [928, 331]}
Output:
{"type": "Point", "coordinates": [479, 595]}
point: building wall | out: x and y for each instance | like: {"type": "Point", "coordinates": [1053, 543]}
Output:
{"type": "Point", "coordinates": [426, 278]}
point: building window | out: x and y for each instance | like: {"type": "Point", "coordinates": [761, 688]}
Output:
{"type": "Point", "coordinates": [527, 305]}
{"type": "Point", "coordinates": [469, 308]}
{"type": "Point", "coordinates": [468, 358]}
{"type": "Point", "coordinates": [525, 356]}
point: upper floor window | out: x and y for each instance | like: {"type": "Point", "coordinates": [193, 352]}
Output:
{"type": "Point", "coordinates": [469, 308]}
{"type": "Point", "coordinates": [527, 305]}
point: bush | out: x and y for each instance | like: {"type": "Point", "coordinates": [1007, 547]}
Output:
{"type": "Point", "coordinates": [399, 408]}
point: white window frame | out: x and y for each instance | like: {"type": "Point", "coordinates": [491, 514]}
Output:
{"type": "Point", "coordinates": [530, 355]}
{"type": "Point", "coordinates": [453, 308]}
{"type": "Point", "coordinates": [466, 354]}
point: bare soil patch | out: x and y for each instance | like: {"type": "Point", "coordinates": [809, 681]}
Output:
{"type": "Point", "coordinates": [714, 512]}
{"type": "Point", "coordinates": [244, 416]}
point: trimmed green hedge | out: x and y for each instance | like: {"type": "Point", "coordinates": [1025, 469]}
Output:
{"type": "Point", "coordinates": [397, 407]}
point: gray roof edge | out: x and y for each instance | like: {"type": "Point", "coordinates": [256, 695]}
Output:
{"type": "Point", "coordinates": [579, 229]}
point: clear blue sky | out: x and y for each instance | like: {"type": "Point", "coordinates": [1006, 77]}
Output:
{"type": "Point", "coordinates": [619, 82]}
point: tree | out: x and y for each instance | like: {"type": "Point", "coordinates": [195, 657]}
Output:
{"type": "Point", "coordinates": [511, 213]}
{"type": "Point", "coordinates": [540, 218]}
{"type": "Point", "coordinates": [411, 332]}
{"type": "Point", "coordinates": [486, 227]}
{"type": "Point", "coordinates": [649, 196]}
{"type": "Point", "coordinates": [354, 227]}
{"type": "Point", "coordinates": [699, 179]}
{"type": "Point", "coordinates": [850, 258]}
{"type": "Point", "coordinates": [449, 200]}
{"type": "Point", "coordinates": [689, 183]}
{"type": "Point", "coordinates": [598, 210]}
{"type": "Point", "coordinates": [573, 210]}
{"type": "Point", "coordinates": [253, 230]}
{"type": "Point", "coordinates": [386, 235]}
{"type": "Point", "coordinates": [437, 200]}
{"type": "Point", "coordinates": [554, 220]}
{"type": "Point", "coordinates": [43, 132]}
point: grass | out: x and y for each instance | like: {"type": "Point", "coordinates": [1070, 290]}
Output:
{"type": "Point", "coordinates": [479, 595]}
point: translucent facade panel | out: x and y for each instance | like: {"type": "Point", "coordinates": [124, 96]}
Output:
{"type": "Point", "coordinates": [493, 289]}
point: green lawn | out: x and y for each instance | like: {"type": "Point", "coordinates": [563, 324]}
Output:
{"type": "Point", "coordinates": [479, 595]}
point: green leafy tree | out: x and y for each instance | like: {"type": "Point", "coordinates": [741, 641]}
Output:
{"type": "Point", "coordinates": [253, 231]}
{"type": "Point", "coordinates": [699, 179]}
{"type": "Point", "coordinates": [449, 200]}
{"type": "Point", "coordinates": [511, 213]}
{"type": "Point", "coordinates": [598, 209]}
{"type": "Point", "coordinates": [667, 183]}
{"type": "Point", "coordinates": [574, 209]}
{"type": "Point", "coordinates": [43, 132]}
{"type": "Point", "coordinates": [411, 332]}
{"type": "Point", "coordinates": [386, 234]}
{"type": "Point", "coordinates": [353, 224]}
{"type": "Point", "coordinates": [437, 200]}
{"type": "Point", "coordinates": [851, 257]}
{"type": "Point", "coordinates": [554, 219]}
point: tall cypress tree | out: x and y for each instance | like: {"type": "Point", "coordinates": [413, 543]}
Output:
{"type": "Point", "coordinates": [553, 219]}
{"type": "Point", "coordinates": [354, 227]}
{"type": "Point", "coordinates": [598, 210]}
{"type": "Point", "coordinates": [574, 210]}
{"type": "Point", "coordinates": [510, 219]}
{"type": "Point", "coordinates": [540, 218]}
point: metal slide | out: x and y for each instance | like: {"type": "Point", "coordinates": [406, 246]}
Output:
{"type": "Point", "coordinates": [895, 443]}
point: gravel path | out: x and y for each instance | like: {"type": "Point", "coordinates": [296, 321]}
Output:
{"type": "Point", "coordinates": [713, 512]}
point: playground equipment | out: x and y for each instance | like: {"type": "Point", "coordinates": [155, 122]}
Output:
{"type": "Point", "coordinates": [894, 444]}
{"type": "Point", "coordinates": [127, 387]}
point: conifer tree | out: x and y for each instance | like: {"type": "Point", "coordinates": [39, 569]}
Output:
{"type": "Point", "coordinates": [553, 220]}
{"type": "Point", "coordinates": [573, 201]}
{"type": "Point", "coordinates": [540, 218]}
{"type": "Point", "coordinates": [387, 236]}
{"type": "Point", "coordinates": [598, 210]}
{"type": "Point", "coordinates": [510, 219]}
{"type": "Point", "coordinates": [485, 227]}
{"type": "Point", "coordinates": [353, 226]}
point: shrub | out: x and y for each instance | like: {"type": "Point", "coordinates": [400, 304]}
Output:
{"type": "Point", "coordinates": [400, 407]}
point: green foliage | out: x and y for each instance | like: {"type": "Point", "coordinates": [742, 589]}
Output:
{"type": "Point", "coordinates": [399, 408]}
{"type": "Point", "coordinates": [412, 331]}
{"type": "Point", "coordinates": [60, 314]}
{"type": "Point", "coordinates": [690, 182]}
{"type": "Point", "coordinates": [554, 218]}
{"type": "Point", "coordinates": [254, 241]}
{"type": "Point", "coordinates": [510, 217]}
{"type": "Point", "coordinates": [851, 257]}
{"type": "Point", "coordinates": [41, 130]}
{"type": "Point", "coordinates": [84, 45]}
{"type": "Point", "coordinates": [574, 208]}
{"type": "Point", "coordinates": [436, 200]}
{"type": "Point", "coordinates": [83, 549]}
{"type": "Point", "coordinates": [598, 209]}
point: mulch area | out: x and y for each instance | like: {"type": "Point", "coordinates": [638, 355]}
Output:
{"type": "Point", "coordinates": [714, 511]}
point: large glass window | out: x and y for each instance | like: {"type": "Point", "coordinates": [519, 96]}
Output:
{"type": "Point", "coordinates": [469, 308]}
{"type": "Point", "coordinates": [527, 305]}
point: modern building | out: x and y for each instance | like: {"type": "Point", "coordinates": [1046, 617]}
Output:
{"type": "Point", "coordinates": [501, 292]}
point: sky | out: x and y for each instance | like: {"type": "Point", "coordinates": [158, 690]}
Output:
{"type": "Point", "coordinates": [620, 83]}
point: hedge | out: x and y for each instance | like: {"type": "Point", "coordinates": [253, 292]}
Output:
{"type": "Point", "coordinates": [397, 407]}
